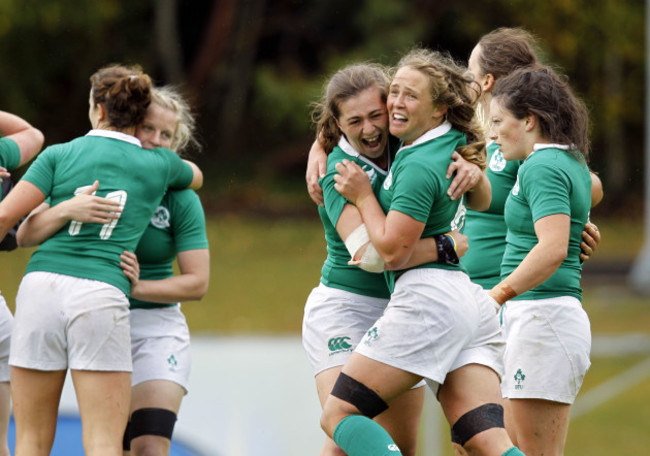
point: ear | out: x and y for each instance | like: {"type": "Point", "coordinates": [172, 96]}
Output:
{"type": "Point", "coordinates": [439, 111]}
{"type": "Point", "coordinates": [339, 125]}
{"type": "Point", "coordinates": [530, 122]}
{"type": "Point", "coordinates": [102, 112]}
{"type": "Point", "coordinates": [488, 82]}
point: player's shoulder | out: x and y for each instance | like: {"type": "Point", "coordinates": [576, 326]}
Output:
{"type": "Point", "coordinates": [182, 196]}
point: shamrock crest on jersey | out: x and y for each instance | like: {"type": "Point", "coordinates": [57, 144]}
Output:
{"type": "Point", "coordinates": [515, 188]}
{"type": "Point", "coordinates": [160, 218]}
{"type": "Point", "coordinates": [497, 162]}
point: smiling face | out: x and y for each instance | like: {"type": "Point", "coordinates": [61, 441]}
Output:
{"type": "Point", "coordinates": [510, 133]}
{"type": "Point", "coordinates": [410, 107]}
{"type": "Point", "coordinates": [158, 127]}
{"type": "Point", "coordinates": [364, 122]}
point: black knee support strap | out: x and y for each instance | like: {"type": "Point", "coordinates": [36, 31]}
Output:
{"type": "Point", "coordinates": [482, 418]}
{"type": "Point", "coordinates": [152, 421]}
{"type": "Point", "coordinates": [126, 440]}
{"type": "Point", "coordinates": [356, 393]}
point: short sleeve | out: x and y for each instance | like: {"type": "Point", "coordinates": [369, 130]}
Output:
{"type": "Point", "coordinates": [9, 154]}
{"type": "Point", "coordinates": [188, 221]}
{"type": "Point", "coordinates": [414, 189]}
{"type": "Point", "coordinates": [547, 190]}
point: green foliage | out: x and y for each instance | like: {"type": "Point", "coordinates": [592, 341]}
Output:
{"type": "Point", "coordinates": [275, 56]}
{"type": "Point", "coordinates": [50, 49]}
{"type": "Point", "coordinates": [284, 100]}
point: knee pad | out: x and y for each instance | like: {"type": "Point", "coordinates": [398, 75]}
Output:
{"type": "Point", "coordinates": [152, 421]}
{"type": "Point", "coordinates": [480, 419]}
{"type": "Point", "coordinates": [126, 440]}
{"type": "Point", "coordinates": [368, 402]}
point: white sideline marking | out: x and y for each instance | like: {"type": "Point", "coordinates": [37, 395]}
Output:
{"type": "Point", "coordinates": [611, 388]}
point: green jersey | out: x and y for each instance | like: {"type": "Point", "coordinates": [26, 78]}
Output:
{"type": "Point", "coordinates": [9, 154]}
{"type": "Point", "coordinates": [550, 181]}
{"type": "Point", "coordinates": [177, 225]}
{"type": "Point", "coordinates": [136, 177]}
{"type": "Point", "coordinates": [336, 272]}
{"type": "Point", "coordinates": [417, 186]}
{"type": "Point", "coordinates": [486, 231]}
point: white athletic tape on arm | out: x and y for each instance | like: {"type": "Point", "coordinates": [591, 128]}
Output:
{"type": "Point", "coordinates": [370, 260]}
{"type": "Point", "coordinates": [357, 239]}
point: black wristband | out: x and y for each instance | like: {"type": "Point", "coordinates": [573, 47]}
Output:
{"type": "Point", "coordinates": [446, 251]}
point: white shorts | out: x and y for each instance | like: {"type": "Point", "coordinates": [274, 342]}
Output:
{"type": "Point", "coordinates": [160, 345]}
{"type": "Point", "coordinates": [547, 349]}
{"type": "Point", "coordinates": [68, 322]}
{"type": "Point", "coordinates": [6, 324]}
{"type": "Point", "coordinates": [436, 321]}
{"type": "Point", "coordinates": [334, 322]}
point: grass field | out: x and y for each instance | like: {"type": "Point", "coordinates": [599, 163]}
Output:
{"type": "Point", "coordinates": [263, 269]}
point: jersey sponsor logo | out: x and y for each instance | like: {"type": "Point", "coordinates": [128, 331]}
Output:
{"type": "Point", "coordinates": [497, 162]}
{"type": "Point", "coordinates": [389, 180]}
{"type": "Point", "coordinates": [339, 345]}
{"type": "Point", "coordinates": [459, 219]}
{"type": "Point", "coordinates": [160, 218]}
{"type": "Point", "coordinates": [372, 174]}
{"type": "Point", "coordinates": [519, 378]}
{"type": "Point", "coordinates": [515, 188]}
{"type": "Point", "coordinates": [393, 447]}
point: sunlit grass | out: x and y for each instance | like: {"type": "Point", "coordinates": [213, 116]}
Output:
{"type": "Point", "coordinates": [262, 271]}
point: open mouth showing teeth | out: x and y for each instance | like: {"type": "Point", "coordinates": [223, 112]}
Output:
{"type": "Point", "coordinates": [371, 142]}
{"type": "Point", "coordinates": [399, 117]}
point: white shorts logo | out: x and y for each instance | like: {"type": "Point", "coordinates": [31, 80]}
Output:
{"type": "Point", "coordinates": [160, 218]}
{"type": "Point", "coordinates": [497, 162]}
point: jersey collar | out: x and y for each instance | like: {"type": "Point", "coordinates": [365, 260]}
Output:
{"type": "Point", "coordinates": [440, 130]}
{"type": "Point", "coordinates": [346, 147]}
{"type": "Point", "coordinates": [539, 146]}
{"type": "Point", "coordinates": [115, 135]}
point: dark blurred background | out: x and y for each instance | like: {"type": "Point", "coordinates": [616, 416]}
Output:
{"type": "Point", "coordinates": [252, 67]}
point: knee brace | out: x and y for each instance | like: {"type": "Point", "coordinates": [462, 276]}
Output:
{"type": "Point", "coordinates": [126, 440]}
{"type": "Point", "coordinates": [152, 421]}
{"type": "Point", "coordinates": [480, 419]}
{"type": "Point", "coordinates": [356, 393]}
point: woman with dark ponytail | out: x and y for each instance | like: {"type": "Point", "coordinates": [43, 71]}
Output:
{"type": "Point", "coordinates": [537, 119]}
{"type": "Point", "coordinates": [72, 307]}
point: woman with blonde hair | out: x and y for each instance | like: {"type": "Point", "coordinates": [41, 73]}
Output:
{"type": "Point", "coordinates": [438, 325]}
{"type": "Point", "coordinates": [81, 323]}
{"type": "Point", "coordinates": [160, 338]}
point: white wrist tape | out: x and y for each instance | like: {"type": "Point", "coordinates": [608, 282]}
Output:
{"type": "Point", "coordinates": [357, 239]}
{"type": "Point", "coordinates": [370, 260]}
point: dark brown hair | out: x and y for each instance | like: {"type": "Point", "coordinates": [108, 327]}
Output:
{"type": "Point", "coordinates": [124, 91]}
{"type": "Point", "coordinates": [450, 85]}
{"type": "Point", "coordinates": [344, 84]}
{"type": "Point", "coordinates": [506, 49]}
{"type": "Point", "coordinates": [562, 116]}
